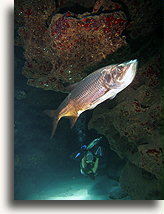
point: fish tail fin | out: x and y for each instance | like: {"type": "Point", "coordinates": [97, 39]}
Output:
{"type": "Point", "coordinates": [55, 123]}
{"type": "Point", "coordinates": [54, 115]}
{"type": "Point", "coordinates": [73, 120]}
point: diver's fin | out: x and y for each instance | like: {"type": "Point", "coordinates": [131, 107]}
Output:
{"type": "Point", "coordinates": [99, 151]}
{"type": "Point", "coordinates": [73, 120]}
{"type": "Point", "coordinates": [54, 115]}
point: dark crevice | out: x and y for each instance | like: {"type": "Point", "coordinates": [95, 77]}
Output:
{"type": "Point", "coordinates": [77, 9]}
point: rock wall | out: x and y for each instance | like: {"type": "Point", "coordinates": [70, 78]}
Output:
{"type": "Point", "coordinates": [62, 48]}
{"type": "Point", "coordinates": [133, 125]}
{"type": "Point", "coordinates": [140, 184]}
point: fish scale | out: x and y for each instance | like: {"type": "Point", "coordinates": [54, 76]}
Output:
{"type": "Point", "coordinates": [87, 89]}
{"type": "Point", "coordinates": [90, 95]}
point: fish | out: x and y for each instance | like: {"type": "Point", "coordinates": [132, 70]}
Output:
{"type": "Point", "coordinates": [102, 84]}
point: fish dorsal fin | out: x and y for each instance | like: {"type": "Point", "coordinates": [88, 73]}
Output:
{"type": "Point", "coordinates": [73, 120]}
{"type": "Point", "coordinates": [71, 87]}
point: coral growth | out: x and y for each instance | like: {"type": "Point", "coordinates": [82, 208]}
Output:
{"type": "Point", "coordinates": [84, 40]}
{"type": "Point", "coordinates": [139, 13]}
{"type": "Point", "coordinates": [151, 159]}
{"type": "Point", "coordinates": [60, 48]}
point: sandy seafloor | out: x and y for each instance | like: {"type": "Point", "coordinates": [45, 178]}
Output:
{"type": "Point", "coordinates": [72, 187]}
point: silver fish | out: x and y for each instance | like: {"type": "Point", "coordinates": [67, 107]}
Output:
{"type": "Point", "coordinates": [105, 83]}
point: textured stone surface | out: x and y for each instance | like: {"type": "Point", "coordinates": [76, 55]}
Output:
{"type": "Point", "coordinates": [139, 13]}
{"type": "Point", "coordinates": [135, 117]}
{"type": "Point", "coordinates": [106, 5]}
{"type": "Point", "coordinates": [138, 100]}
{"type": "Point", "coordinates": [61, 49]}
{"type": "Point", "coordinates": [140, 184]}
{"type": "Point", "coordinates": [151, 159]}
{"type": "Point", "coordinates": [145, 16]}
{"type": "Point", "coordinates": [82, 41]}
{"type": "Point", "coordinates": [133, 125]}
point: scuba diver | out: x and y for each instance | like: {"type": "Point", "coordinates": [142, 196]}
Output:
{"type": "Point", "coordinates": [92, 157]}
{"type": "Point", "coordinates": [89, 165]}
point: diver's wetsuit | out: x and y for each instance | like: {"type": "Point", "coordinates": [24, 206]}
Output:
{"type": "Point", "coordinates": [91, 168]}
{"type": "Point", "coordinates": [99, 149]}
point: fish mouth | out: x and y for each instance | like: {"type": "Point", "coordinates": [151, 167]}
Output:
{"type": "Point", "coordinates": [131, 62]}
{"type": "Point", "coordinates": [126, 72]}
{"type": "Point", "coordinates": [121, 75]}
{"type": "Point", "coordinates": [131, 68]}
{"type": "Point", "coordinates": [132, 65]}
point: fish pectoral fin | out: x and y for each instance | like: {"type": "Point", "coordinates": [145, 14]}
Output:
{"type": "Point", "coordinates": [112, 97]}
{"type": "Point", "coordinates": [73, 120]}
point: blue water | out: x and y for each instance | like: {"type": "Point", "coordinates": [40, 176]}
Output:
{"type": "Point", "coordinates": [44, 169]}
